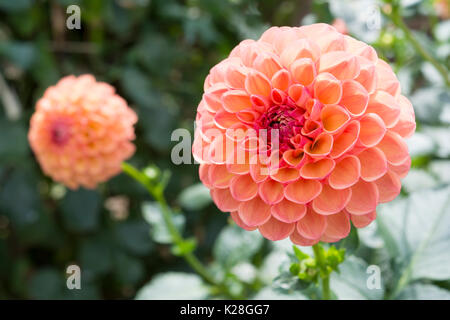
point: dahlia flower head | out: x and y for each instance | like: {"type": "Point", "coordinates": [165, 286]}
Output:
{"type": "Point", "coordinates": [81, 132]}
{"type": "Point", "coordinates": [339, 121]}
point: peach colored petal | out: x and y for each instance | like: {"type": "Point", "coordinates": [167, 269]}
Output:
{"type": "Point", "coordinates": [212, 97]}
{"type": "Point", "coordinates": [331, 201]}
{"type": "Point", "coordinates": [224, 119]}
{"type": "Point", "coordinates": [281, 80]}
{"type": "Point", "coordinates": [387, 81]}
{"type": "Point", "coordinates": [236, 100]}
{"type": "Point", "coordinates": [333, 118]}
{"type": "Point", "coordinates": [243, 188]}
{"type": "Point", "coordinates": [389, 187]}
{"type": "Point", "coordinates": [299, 240]}
{"type": "Point", "coordinates": [285, 175]}
{"type": "Point", "coordinates": [268, 64]}
{"type": "Point", "coordinates": [372, 130]}
{"type": "Point", "coordinates": [224, 200]}
{"type": "Point", "coordinates": [288, 211]}
{"type": "Point", "coordinates": [364, 198]}
{"type": "Point", "coordinates": [302, 48]}
{"type": "Point", "coordinates": [346, 140]}
{"type": "Point", "coordinates": [327, 88]}
{"type": "Point", "coordinates": [317, 170]}
{"type": "Point", "coordinates": [294, 157]}
{"type": "Point", "coordinates": [407, 121]}
{"type": "Point", "coordinates": [219, 176]}
{"type": "Point", "coordinates": [237, 219]}
{"type": "Point", "coordinates": [270, 191]}
{"type": "Point", "coordinates": [338, 225]}
{"type": "Point", "coordinates": [346, 173]}
{"type": "Point", "coordinates": [384, 105]}
{"type": "Point", "coordinates": [373, 164]}
{"type": "Point", "coordinates": [343, 65]}
{"type": "Point", "coordinates": [303, 71]}
{"type": "Point", "coordinates": [367, 74]}
{"type": "Point", "coordinates": [298, 94]}
{"type": "Point", "coordinates": [254, 212]}
{"type": "Point", "coordinates": [312, 225]}
{"type": "Point", "coordinates": [235, 76]}
{"type": "Point", "coordinates": [302, 191]}
{"type": "Point", "coordinates": [361, 49]}
{"type": "Point", "coordinates": [394, 147]}
{"type": "Point", "coordinates": [203, 172]}
{"type": "Point", "coordinates": [257, 83]}
{"type": "Point", "coordinates": [354, 98]}
{"type": "Point", "coordinates": [278, 96]}
{"type": "Point", "coordinates": [321, 146]}
{"type": "Point", "coordinates": [402, 169]}
{"type": "Point", "coordinates": [276, 230]}
{"type": "Point", "coordinates": [361, 221]}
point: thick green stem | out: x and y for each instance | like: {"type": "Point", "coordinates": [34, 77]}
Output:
{"type": "Point", "coordinates": [177, 238]}
{"type": "Point", "coordinates": [326, 293]}
{"type": "Point", "coordinates": [396, 18]}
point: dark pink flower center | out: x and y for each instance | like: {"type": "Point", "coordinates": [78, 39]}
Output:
{"type": "Point", "coordinates": [60, 133]}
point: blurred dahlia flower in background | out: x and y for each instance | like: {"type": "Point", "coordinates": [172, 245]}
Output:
{"type": "Point", "coordinates": [340, 123]}
{"type": "Point", "coordinates": [81, 132]}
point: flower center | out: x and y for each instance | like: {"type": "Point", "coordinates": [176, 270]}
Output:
{"type": "Point", "coordinates": [288, 119]}
{"type": "Point", "coordinates": [60, 133]}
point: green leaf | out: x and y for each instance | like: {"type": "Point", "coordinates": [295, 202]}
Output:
{"type": "Point", "coordinates": [351, 282]}
{"type": "Point", "coordinates": [95, 256]}
{"type": "Point", "coordinates": [46, 284]}
{"type": "Point", "coordinates": [159, 233]}
{"type": "Point", "coordinates": [13, 142]}
{"type": "Point", "coordinates": [187, 246]}
{"type": "Point", "coordinates": [195, 197]}
{"type": "Point", "coordinates": [127, 269]}
{"type": "Point", "coordinates": [174, 286]}
{"type": "Point", "coordinates": [134, 237]}
{"type": "Point", "coordinates": [349, 243]}
{"type": "Point", "coordinates": [235, 245]}
{"type": "Point", "coordinates": [424, 292]}
{"type": "Point", "coordinates": [81, 210]}
{"type": "Point", "coordinates": [415, 230]}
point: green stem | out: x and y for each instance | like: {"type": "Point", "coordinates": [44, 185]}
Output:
{"type": "Point", "coordinates": [177, 238]}
{"type": "Point", "coordinates": [326, 293]}
{"type": "Point", "coordinates": [396, 18]}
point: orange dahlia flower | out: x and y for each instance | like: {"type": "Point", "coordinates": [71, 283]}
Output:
{"type": "Point", "coordinates": [81, 131]}
{"type": "Point", "coordinates": [339, 121]}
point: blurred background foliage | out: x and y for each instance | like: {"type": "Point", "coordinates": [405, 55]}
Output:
{"type": "Point", "coordinates": [157, 54]}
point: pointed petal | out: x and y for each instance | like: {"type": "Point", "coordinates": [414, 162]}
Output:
{"type": "Point", "coordinates": [288, 211]}
{"type": "Point", "coordinates": [364, 198]}
{"type": "Point", "coordinates": [373, 164]}
{"type": "Point", "coordinates": [235, 76]}
{"type": "Point", "coordinates": [281, 80]}
{"type": "Point", "coordinates": [267, 64]}
{"type": "Point", "coordinates": [331, 201]}
{"type": "Point", "coordinates": [276, 230]}
{"type": "Point", "coordinates": [346, 173]}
